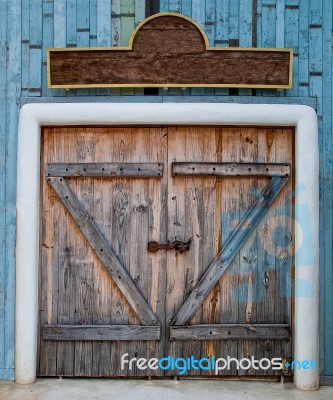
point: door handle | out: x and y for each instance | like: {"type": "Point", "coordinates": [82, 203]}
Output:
{"type": "Point", "coordinates": [179, 245]}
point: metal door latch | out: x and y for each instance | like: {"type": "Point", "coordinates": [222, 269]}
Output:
{"type": "Point", "coordinates": [177, 245]}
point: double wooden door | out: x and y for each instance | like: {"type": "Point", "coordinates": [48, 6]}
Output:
{"type": "Point", "coordinates": [225, 192]}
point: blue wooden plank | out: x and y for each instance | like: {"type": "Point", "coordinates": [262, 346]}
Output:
{"type": "Point", "coordinates": [210, 22]}
{"type": "Point", "coordinates": [268, 31]}
{"type": "Point", "coordinates": [116, 23]}
{"type": "Point", "coordinates": [13, 92]}
{"type": "Point", "coordinates": [315, 38]}
{"type": "Point", "coordinates": [3, 125]}
{"type": "Point", "coordinates": [83, 26]}
{"type": "Point", "coordinates": [36, 29]}
{"type": "Point", "coordinates": [103, 23]}
{"type": "Point", "coordinates": [326, 278]}
{"type": "Point", "coordinates": [280, 23]}
{"type": "Point", "coordinates": [234, 19]}
{"type": "Point", "coordinates": [187, 7]}
{"type": "Point", "coordinates": [259, 21]}
{"type": "Point", "coordinates": [60, 20]}
{"type": "Point", "coordinates": [104, 32]}
{"type": "Point", "coordinates": [303, 44]}
{"type": "Point", "coordinates": [291, 41]}
{"type": "Point", "coordinates": [245, 32]}
{"type": "Point", "coordinates": [315, 54]}
{"type": "Point", "coordinates": [164, 5]}
{"type": "Point", "coordinates": [48, 24]}
{"type": "Point", "coordinates": [140, 11]}
{"type": "Point", "coordinates": [245, 23]}
{"type": "Point", "coordinates": [222, 33]}
{"type": "Point", "coordinates": [25, 48]}
{"type": "Point", "coordinates": [175, 6]}
{"type": "Point", "coordinates": [115, 32]}
{"type": "Point", "coordinates": [7, 374]}
{"type": "Point", "coordinates": [71, 23]}
{"type": "Point", "coordinates": [93, 23]}
{"type": "Point", "coordinates": [222, 23]}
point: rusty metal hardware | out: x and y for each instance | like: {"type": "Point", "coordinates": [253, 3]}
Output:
{"type": "Point", "coordinates": [177, 245]}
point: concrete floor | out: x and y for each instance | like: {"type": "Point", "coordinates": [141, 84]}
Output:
{"type": "Point", "coordinates": [97, 389]}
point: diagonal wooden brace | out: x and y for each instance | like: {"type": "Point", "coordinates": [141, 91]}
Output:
{"type": "Point", "coordinates": [229, 251]}
{"type": "Point", "coordinates": [103, 251]}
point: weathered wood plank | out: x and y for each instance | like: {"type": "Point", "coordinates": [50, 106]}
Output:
{"type": "Point", "coordinates": [227, 293]}
{"type": "Point", "coordinates": [265, 285]}
{"type": "Point", "coordinates": [211, 240]}
{"type": "Point", "coordinates": [230, 331]}
{"type": "Point", "coordinates": [120, 235]}
{"type": "Point", "coordinates": [107, 170]}
{"type": "Point", "coordinates": [227, 254]}
{"type": "Point", "coordinates": [83, 262]}
{"type": "Point", "coordinates": [157, 222]}
{"type": "Point", "coordinates": [50, 277]}
{"type": "Point", "coordinates": [248, 261]}
{"type": "Point", "coordinates": [175, 278]}
{"type": "Point", "coordinates": [3, 139]}
{"type": "Point", "coordinates": [230, 169]}
{"type": "Point", "coordinates": [141, 264]}
{"type": "Point", "coordinates": [101, 332]}
{"type": "Point", "coordinates": [283, 249]}
{"type": "Point", "coordinates": [193, 264]}
{"type": "Point", "coordinates": [103, 251]}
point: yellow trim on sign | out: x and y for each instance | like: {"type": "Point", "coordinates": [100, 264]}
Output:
{"type": "Point", "coordinates": [166, 85]}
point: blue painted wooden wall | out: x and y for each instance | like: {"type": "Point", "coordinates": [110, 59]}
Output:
{"type": "Point", "coordinates": [28, 27]}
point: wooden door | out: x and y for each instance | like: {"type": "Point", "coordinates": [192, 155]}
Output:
{"type": "Point", "coordinates": [108, 192]}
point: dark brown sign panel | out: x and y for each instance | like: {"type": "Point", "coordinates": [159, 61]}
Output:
{"type": "Point", "coordinates": [169, 50]}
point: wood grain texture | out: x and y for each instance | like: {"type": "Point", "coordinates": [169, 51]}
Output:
{"type": "Point", "coordinates": [189, 63]}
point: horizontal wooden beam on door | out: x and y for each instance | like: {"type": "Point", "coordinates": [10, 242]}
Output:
{"type": "Point", "coordinates": [105, 170]}
{"type": "Point", "coordinates": [101, 332]}
{"type": "Point", "coordinates": [230, 331]}
{"type": "Point", "coordinates": [230, 169]}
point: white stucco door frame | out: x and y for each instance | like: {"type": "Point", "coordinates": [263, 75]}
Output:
{"type": "Point", "coordinates": [303, 118]}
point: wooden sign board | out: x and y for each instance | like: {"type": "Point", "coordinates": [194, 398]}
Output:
{"type": "Point", "coordinates": [169, 50]}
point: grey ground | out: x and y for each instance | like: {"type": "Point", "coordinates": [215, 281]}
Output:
{"type": "Point", "coordinates": [96, 389]}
